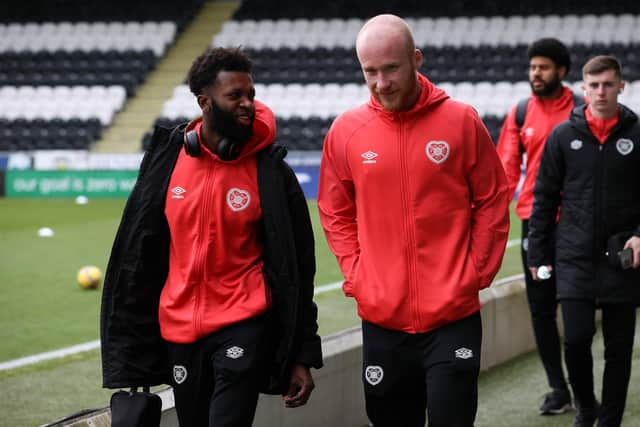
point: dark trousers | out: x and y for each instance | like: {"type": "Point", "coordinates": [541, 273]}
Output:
{"type": "Point", "coordinates": [405, 375]}
{"type": "Point", "coordinates": [216, 380]}
{"type": "Point", "coordinates": [543, 306]}
{"type": "Point", "coordinates": [618, 329]}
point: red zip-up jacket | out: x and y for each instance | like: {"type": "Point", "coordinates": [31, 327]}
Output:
{"type": "Point", "coordinates": [542, 116]}
{"type": "Point", "coordinates": [415, 207]}
{"type": "Point", "coordinates": [215, 261]}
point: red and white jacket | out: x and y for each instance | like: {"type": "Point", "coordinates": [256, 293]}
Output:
{"type": "Point", "coordinates": [415, 207]}
{"type": "Point", "coordinates": [541, 117]}
{"type": "Point", "coordinates": [215, 267]}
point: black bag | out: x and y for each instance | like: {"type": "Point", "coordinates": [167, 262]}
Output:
{"type": "Point", "coordinates": [135, 409]}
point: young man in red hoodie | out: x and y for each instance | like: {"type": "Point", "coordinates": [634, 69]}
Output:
{"type": "Point", "coordinates": [590, 168]}
{"type": "Point", "coordinates": [210, 282]}
{"type": "Point", "coordinates": [414, 204]}
{"type": "Point", "coordinates": [550, 104]}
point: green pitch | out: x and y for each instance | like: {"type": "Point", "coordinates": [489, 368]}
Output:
{"type": "Point", "coordinates": [43, 307]}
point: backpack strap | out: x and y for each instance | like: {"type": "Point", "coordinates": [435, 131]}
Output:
{"type": "Point", "coordinates": [521, 109]}
{"type": "Point", "coordinates": [521, 112]}
{"type": "Point", "coordinates": [577, 100]}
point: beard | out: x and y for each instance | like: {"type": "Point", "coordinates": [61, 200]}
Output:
{"type": "Point", "coordinates": [225, 124]}
{"type": "Point", "coordinates": [548, 88]}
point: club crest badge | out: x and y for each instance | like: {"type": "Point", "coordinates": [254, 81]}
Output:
{"type": "Point", "coordinates": [179, 374]}
{"type": "Point", "coordinates": [437, 151]}
{"type": "Point", "coordinates": [238, 199]}
{"type": "Point", "coordinates": [374, 374]}
{"type": "Point", "coordinates": [624, 146]}
{"type": "Point", "coordinates": [576, 144]}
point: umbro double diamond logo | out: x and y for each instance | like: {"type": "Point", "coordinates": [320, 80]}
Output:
{"type": "Point", "coordinates": [178, 192]}
{"type": "Point", "coordinates": [464, 353]}
{"type": "Point", "coordinates": [369, 157]}
{"type": "Point", "coordinates": [235, 352]}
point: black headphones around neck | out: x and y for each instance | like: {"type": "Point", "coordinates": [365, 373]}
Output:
{"type": "Point", "coordinates": [226, 149]}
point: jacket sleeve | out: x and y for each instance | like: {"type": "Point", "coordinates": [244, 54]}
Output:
{"type": "Point", "coordinates": [132, 349]}
{"type": "Point", "coordinates": [547, 197]}
{"type": "Point", "coordinates": [310, 353]}
{"type": "Point", "coordinates": [337, 208]}
{"type": "Point", "coordinates": [490, 205]}
{"type": "Point", "coordinates": [508, 147]}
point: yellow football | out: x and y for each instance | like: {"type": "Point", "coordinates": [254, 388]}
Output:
{"type": "Point", "coordinates": [89, 277]}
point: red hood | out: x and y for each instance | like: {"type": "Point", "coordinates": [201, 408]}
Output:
{"type": "Point", "coordinates": [264, 130]}
{"type": "Point", "coordinates": [430, 95]}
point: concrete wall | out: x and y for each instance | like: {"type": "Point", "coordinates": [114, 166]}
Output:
{"type": "Point", "coordinates": [338, 399]}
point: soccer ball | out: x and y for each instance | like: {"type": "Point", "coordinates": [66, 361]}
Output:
{"type": "Point", "coordinates": [89, 277]}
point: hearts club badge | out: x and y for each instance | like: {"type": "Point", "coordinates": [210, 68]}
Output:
{"type": "Point", "coordinates": [437, 151]}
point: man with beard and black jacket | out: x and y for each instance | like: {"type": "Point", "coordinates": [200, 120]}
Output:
{"type": "Point", "coordinates": [590, 169]}
{"type": "Point", "coordinates": [210, 282]}
{"type": "Point", "coordinates": [523, 135]}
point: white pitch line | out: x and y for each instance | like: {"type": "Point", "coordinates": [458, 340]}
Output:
{"type": "Point", "coordinates": [327, 288]}
{"type": "Point", "coordinates": [92, 345]}
{"type": "Point", "coordinates": [55, 354]}
{"type": "Point", "coordinates": [513, 242]}
{"type": "Point", "coordinates": [508, 279]}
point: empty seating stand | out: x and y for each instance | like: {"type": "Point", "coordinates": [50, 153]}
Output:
{"type": "Point", "coordinates": [66, 68]}
{"type": "Point", "coordinates": [306, 69]}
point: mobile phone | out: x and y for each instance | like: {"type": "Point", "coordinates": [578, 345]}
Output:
{"type": "Point", "coordinates": [626, 258]}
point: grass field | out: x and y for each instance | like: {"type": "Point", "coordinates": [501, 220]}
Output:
{"type": "Point", "coordinates": [43, 309]}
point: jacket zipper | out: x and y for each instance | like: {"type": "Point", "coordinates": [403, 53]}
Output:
{"type": "Point", "coordinates": [203, 233]}
{"type": "Point", "coordinates": [598, 203]}
{"type": "Point", "coordinates": [409, 225]}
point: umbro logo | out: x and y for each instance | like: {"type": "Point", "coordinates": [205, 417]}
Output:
{"type": "Point", "coordinates": [464, 353]}
{"type": "Point", "coordinates": [369, 157]}
{"type": "Point", "coordinates": [178, 192]}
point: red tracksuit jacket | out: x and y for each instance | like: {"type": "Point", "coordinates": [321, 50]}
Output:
{"type": "Point", "coordinates": [542, 116]}
{"type": "Point", "coordinates": [215, 262]}
{"type": "Point", "coordinates": [415, 207]}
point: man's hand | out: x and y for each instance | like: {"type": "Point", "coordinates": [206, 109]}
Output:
{"type": "Point", "coordinates": [534, 273]}
{"type": "Point", "coordinates": [634, 244]}
{"type": "Point", "coordinates": [300, 387]}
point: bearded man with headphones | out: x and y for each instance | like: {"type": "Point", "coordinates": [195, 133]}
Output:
{"type": "Point", "coordinates": [209, 287]}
